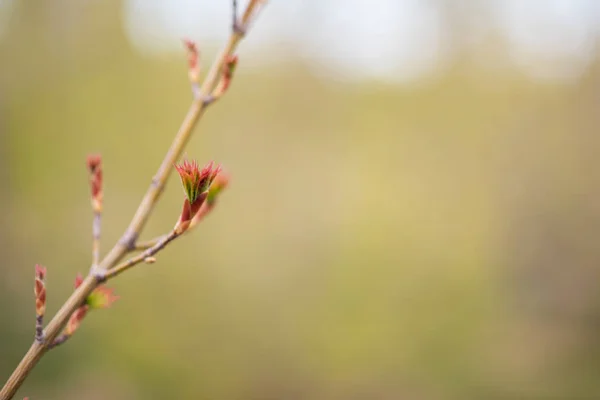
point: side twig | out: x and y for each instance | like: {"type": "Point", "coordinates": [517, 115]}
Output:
{"type": "Point", "coordinates": [158, 246]}
{"type": "Point", "coordinates": [145, 245]}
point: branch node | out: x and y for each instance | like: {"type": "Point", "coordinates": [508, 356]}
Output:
{"type": "Point", "coordinates": [130, 237]}
{"type": "Point", "coordinates": [208, 100]}
{"type": "Point", "coordinates": [98, 273]}
{"type": "Point", "coordinates": [239, 28]}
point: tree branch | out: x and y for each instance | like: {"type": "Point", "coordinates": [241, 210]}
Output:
{"type": "Point", "coordinates": [128, 239]}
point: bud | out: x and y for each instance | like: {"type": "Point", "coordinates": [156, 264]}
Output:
{"type": "Point", "coordinates": [94, 164]}
{"type": "Point", "coordinates": [75, 319]}
{"type": "Point", "coordinates": [193, 60]}
{"type": "Point", "coordinates": [150, 260]}
{"type": "Point", "coordinates": [218, 185]}
{"type": "Point", "coordinates": [196, 186]}
{"type": "Point", "coordinates": [220, 182]}
{"type": "Point", "coordinates": [40, 290]}
{"type": "Point", "coordinates": [229, 67]}
{"type": "Point", "coordinates": [101, 296]}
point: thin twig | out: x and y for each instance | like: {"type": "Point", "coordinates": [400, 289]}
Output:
{"type": "Point", "coordinates": [96, 225]}
{"type": "Point", "coordinates": [119, 269]}
{"type": "Point", "coordinates": [128, 239]}
{"type": "Point", "coordinates": [140, 246]}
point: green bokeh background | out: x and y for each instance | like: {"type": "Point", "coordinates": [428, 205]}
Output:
{"type": "Point", "coordinates": [429, 241]}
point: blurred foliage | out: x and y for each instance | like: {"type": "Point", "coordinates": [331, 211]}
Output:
{"type": "Point", "coordinates": [434, 241]}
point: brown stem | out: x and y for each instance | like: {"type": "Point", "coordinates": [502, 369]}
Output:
{"type": "Point", "coordinates": [127, 242]}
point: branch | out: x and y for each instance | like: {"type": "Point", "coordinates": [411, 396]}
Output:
{"type": "Point", "coordinates": [129, 238]}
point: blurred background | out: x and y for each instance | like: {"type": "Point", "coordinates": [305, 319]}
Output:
{"type": "Point", "coordinates": [413, 212]}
